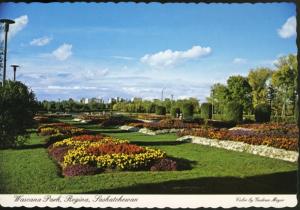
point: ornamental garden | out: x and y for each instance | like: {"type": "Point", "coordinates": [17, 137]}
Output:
{"type": "Point", "coordinates": [244, 139]}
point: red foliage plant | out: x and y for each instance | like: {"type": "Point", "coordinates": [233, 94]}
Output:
{"type": "Point", "coordinates": [110, 148]}
{"type": "Point", "coordinates": [58, 153]}
{"type": "Point", "coordinates": [79, 170]}
{"type": "Point", "coordinates": [164, 164]}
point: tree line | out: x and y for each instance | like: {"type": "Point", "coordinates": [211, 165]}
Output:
{"type": "Point", "coordinates": [276, 88]}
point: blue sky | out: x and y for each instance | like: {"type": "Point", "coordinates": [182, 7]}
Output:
{"type": "Point", "coordinates": [127, 49]}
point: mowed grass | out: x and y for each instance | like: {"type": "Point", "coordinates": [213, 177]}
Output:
{"type": "Point", "coordinates": [213, 171]}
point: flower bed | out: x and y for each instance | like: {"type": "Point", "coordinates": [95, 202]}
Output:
{"type": "Point", "coordinates": [92, 119]}
{"type": "Point", "coordinates": [90, 154]}
{"type": "Point", "coordinates": [269, 138]}
{"type": "Point", "coordinates": [166, 124]}
{"type": "Point", "coordinates": [55, 129]}
{"type": "Point", "coordinates": [118, 120]}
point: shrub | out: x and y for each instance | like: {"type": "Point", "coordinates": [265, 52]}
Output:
{"type": "Point", "coordinates": [55, 138]}
{"type": "Point", "coordinates": [79, 170]}
{"type": "Point", "coordinates": [220, 123]}
{"type": "Point", "coordinates": [233, 112]}
{"type": "Point", "coordinates": [160, 110]}
{"type": "Point", "coordinates": [164, 164]}
{"type": "Point", "coordinates": [175, 111]}
{"type": "Point", "coordinates": [262, 113]}
{"type": "Point", "coordinates": [296, 112]}
{"type": "Point", "coordinates": [187, 111]}
{"type": "Point", "coordinates": [17, 109]}
{"type": "Point", "coordinates": [118, 120]}
{"type": "Point", "coordinates": [206, 110]}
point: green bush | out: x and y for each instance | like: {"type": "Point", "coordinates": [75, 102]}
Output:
{"type": "Point", "coordinates": [187, 111]}
{"type": "Point", "coordinates": [262, 113]}
{"type": "Point", "coordinates": [206, 110]}
{"type": "Point", "coordinates": [160, 110]}
{"type": "Point", "coordinates": [233, 112]}
{"type": "Point", "coordinates": [17, 109]}
{"type": "Point", "coordinates": [175, 111]}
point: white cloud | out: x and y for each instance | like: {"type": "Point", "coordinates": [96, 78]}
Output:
{"type": "Point", "coordinates": [58, 87]}
{"type": "Point", "coordinates": [288, 29]}
{"type": "Point", "coordinates": [41, 41]}
{"type": "Point", "coordinates": [18, 26]}
{"type": "Point", "coordinates": [169, 57]}
{"type": "Point", "coordinates": [122, 57]}
{"type": "Point", "coordinates": [63, 52]}
{"type": "Point", "coordinates": [94, 74]}
{"type": "Point", "coordinates": [239, 61]}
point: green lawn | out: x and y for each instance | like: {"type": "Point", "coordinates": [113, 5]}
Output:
{"type": "Point", "coordinates": [213, 171]}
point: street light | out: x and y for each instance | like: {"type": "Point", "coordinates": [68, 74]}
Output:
{"type": "Point", "coordinates": [6, 23]}
{"type": "Point", "coordinates": [15, 69]}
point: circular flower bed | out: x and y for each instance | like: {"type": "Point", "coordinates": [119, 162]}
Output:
{"type": "Point", "coordinates": [103, 153]}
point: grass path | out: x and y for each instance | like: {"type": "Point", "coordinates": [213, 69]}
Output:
{"type": "Point", "coordinates": [30, 170]}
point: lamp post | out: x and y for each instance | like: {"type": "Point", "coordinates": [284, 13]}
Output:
{"type": "Point", "coordinates": [15, 69]}
{"type": "Point", "coordinates": [6, 23]}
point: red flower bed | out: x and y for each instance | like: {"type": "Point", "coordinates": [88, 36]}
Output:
{"type": "Point", "coordinates": [80, 170]}
{"type": "Point", "coordinates": [58, 153]}
{"type": "Point", "coordinates": [167, 124]}
{"type": "Point", "coordinates": [250, 137]}
{"type": "Point", "coordinates": [88, 137]}
{"type": "Point", "coordinates": [164, 165]}
{"type": "Point", "coordinates": [118, 120]}
{"type": "Point", "coordinates": [110, 148]}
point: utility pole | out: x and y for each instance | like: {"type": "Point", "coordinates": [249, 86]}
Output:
{"type": "Point", "coordinates": [15, 69]}
{"type": "Point", "coordinates": [6, 23]}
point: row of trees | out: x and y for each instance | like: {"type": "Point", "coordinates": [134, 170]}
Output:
{"type": "Point", "coordinates": [72, 106]}
{"type": "Point", "coordinates": [275, 87]}
{"type": "Point", "coordinates": [146, 106]}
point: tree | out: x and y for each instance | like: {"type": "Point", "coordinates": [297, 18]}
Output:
{"type": "Point", "coordinates": [284, 81]}
{"type": "Point", "coordinates": [219, 95]}
{"type": "Point", "coordinates": [240, 91]}
{"type": "Point", "coordinates": [18, 107]}
{"type": "Point", "coordinates": [257, 79]}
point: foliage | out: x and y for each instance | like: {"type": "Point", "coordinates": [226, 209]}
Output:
{"type": "Point", "coordinates": [240, 91]}
{"type": "Point", "coordinates": [262, 113]}
{"type": "Point", "coordinates": [79, 170]}
{"type": "Point", "coordinates": [18, 107]}
{"type": "Point", "coordinates": [257, 79]}
{"type": "Point", "coordinates": [160, 110]}
{"type": "Point", "coordinates": [175, 111]}
{"type": "Point", "coordinates": [219, 95]}
{"type": "Point", "coordinates": [284, 81]}
{"type": "Point", "coordinates": [164, 164]}
{"type": "Point", "coordinates": [118, 120]}
{"type": "Point", "coordinates": [206, 110]}
{"type": "Point", "coordinates": [233, 112]}
{"type": "Point", "coordinates": [275, 138]}
{"type": "Point", "coordinates": [187, 111]}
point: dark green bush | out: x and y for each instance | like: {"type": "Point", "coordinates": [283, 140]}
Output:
{"type": "Point", "coordinates": [262, 113]}
{"type": "Point", "coordinates": [175, 111]}
{"type": "Point", "coordinates": [206, 110]}
{"type": "Point", "coordinates": [187, 111]}
{"type": "Point", "coordinates": [220, 123]}
{"type": "Point", "coordinates": [17, 109]}
{"type": "Point", "coordinates": [233, 112]}
{"type": "Point", "coordinates": [160, 110]}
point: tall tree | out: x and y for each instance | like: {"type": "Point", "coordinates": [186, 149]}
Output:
{"type": "Point", "coordinates": [240, 91]}
{"type": "Point", "coordinates": [257, 79]}
{"type": "Point", "coordinates": [284, 80]}
{"type": "Point", "coordinates": [219, 94]}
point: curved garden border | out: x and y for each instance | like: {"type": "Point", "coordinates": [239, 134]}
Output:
{"type": "Point", "coordinates": [261, 150]}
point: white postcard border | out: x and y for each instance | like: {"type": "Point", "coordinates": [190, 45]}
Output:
{"type": "Point", "coordinates": [147, 201]}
